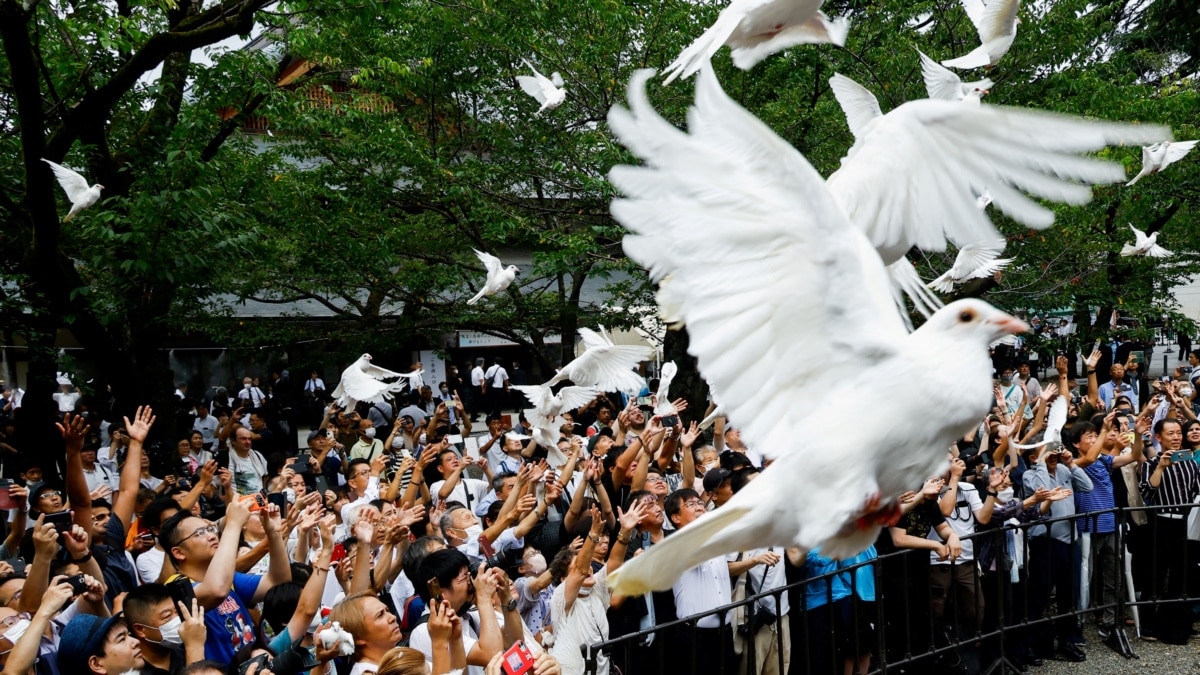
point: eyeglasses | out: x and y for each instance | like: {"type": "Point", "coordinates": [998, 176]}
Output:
{"type": "Point", "coordinates": [694, 504]}
{"type": "Point", "coordinates": [200, 532]}
{"type": "Point", "coordinates": [464, 576]}
{"type": "Point", "coordinates": [10, 621]}
{"type": "Point", "coordinates": [655, 478]}
{"type": "Point", "coordinates": [364, 472]}
{"type": "Point", "coordinates": [50, 493]}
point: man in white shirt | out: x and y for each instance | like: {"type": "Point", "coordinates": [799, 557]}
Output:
{"type": "Point", "coordinates": [97, 475]}
{"type": "Point", "coordinates": [251, 393]}
{"type": "Point", "coordinates": [477, 401]}
{"type": "Point", "coordinates": [247, 464]}
{"type": "Point", "coordinates": [702, 589]}
{"type": "Point", "coordinates": [206, 424]}
{"type": "Point", "coordinates": [65, 398]}
{"type": "Point", "coordinates": [495, 380]}
{"type": "Point", "coordinates": [362, 477]}
{"type": "Point", "coordinates": [454, 487]}
{"type": "Point", "coordinates": [754, 572]}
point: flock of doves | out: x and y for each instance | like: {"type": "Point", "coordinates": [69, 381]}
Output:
{"type": "Point", "coordinates": [793, 285]}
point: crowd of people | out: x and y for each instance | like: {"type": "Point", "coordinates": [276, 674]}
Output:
{"type": "Point", "coordinates": [411, 538]}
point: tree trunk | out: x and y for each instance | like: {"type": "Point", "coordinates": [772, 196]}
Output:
{"type": "Point", "coordinates": [688, 384]}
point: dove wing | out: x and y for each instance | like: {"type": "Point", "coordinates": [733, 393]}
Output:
{"type": "Point", "coordinates": [911, 181]}
{"type": "Point", "coordinates": [1177, 151]}
{"type": "Point", "coordinates": [999, 18]}
{"type": "Point", "coordinates": [592, 339]}
{"type": "Point", "coordinates": [490, 262]}
{"type": "Point", "coordinates": [1157, 251]}
{"type": "Point", "coordinates": [574, 398]}
{"type": "Point", "coordinates": [1056, 418]}
{"type": "Point", "coordinates": [973, 257]}
{"type": "Point", "coordinates": [375, 372]}
{"type": "Point", "coordinates": [859, 104]}
{"type": "Point", "coordinates": [72, 183]}
{"type": "Point", "coordinates": [799, 297]}
{"type": "Point", "coordinates": [360, 386]}
{"type": "Point", "coordinates": [532, 86]}
{"type": "Point", "coordinates": [940, 82]}
{"type": "Point", "coordinates": [1139, 237]}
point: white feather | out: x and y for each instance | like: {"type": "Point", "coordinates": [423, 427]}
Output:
{"type": "Point", "coordinates": [79, 193]}
{"type": "Point", "coordinates": [363, 381]}
{"type": "Point", "coordinates": [605, 366]}
{"type": "Point", "coordinates": [997, 28]}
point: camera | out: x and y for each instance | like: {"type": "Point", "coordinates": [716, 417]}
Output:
{"type": "Point", "coordinates": [77, 584]}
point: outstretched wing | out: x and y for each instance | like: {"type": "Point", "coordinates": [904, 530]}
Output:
{"type": "Point", "coordinates": [381, 373]}
{"type": "Point", "coordinates": [1139, 237]}
{"type": "Point", "coordinates": [940, 81]}
{"type": "Point", "coordinates": [532, 86]}
{"type": "Point", "coordinates": [574, 398]}
{"type": "Point", "coordinates": [999, 18]}
{"type": "Point", "coordinates": [1056, 419]}
{"type": "Point", "coordinates": [799, 296]}
{"type": "Point", "coordinates": [1177, 151]}
{"type": "Point", "coordinates": [912, 180]}
{"type": "Point", "coordinates": [860, 105]}
{"type": "Point", "coordinates": [973, 257]}
{"type": "Point", "coordinates": [72, 183]}
{"type": "Point", "coordinates": [490, 262]}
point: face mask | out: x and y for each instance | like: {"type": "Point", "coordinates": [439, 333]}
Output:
{"type": "Point", "coordinates": [170, 632]}
{"type": "Point", "coordinates": [15, 632]}
{"type": "Point", "coordinates": [1006, 379]}
{"type": "Point", "coordinates": [1185, 392]}
{"type": "Point", "coordinates": [370, 432]}
{"type": "Point", "coordinates": [537, 564]}
{"type": "Point", "coordinates": [445, 391]}
{"type": "Point", "coordinates": [710, 466]}
{"type": "Point", "coordinates": [397, 442]}
{"type": "Point", "coordinates": [290, 494]}
{"type": "Point", "coordinates": [245, 385]}
{"type": "Point", "coordinates": [1005, 496]}
{"type": "Point", "coordinates": [421, 439]}
{"type": "Point", "coordinates": [474, 531]}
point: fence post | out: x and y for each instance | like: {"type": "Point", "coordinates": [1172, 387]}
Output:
{"type": "Point", "coordinates": [1119, 640]}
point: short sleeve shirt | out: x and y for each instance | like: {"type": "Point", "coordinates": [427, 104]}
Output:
{"type": "Point", "coordinates": [229, 624]}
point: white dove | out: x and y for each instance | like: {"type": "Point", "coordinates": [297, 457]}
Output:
{"type": "Point", "coordinates": [1159, 156]}
{"type": "Point", "coordinates": [711, 418]}
{"type": "Point", "coordinates": [997, 27]}
{"type": "Point", "coordinates": [79, 193]}
{"type": "Point", "coordinates": [1056, 419]}
{"type": "Point", "coordinates": [662, 399]}
{"type": "Point", "coordinates": [605, 366]}
{"type": "Point", "coordinates": [498, 278]}
{"type": "Point", "coordinates": [796, 318]}
{"type": "Point", "coordinates": [546, 414]}
{"type": "Point", "coordinates": [547, 90]}
{"type": "Point", "coordinates": [364, 382]}
{"type": "Point", "coordinates": [911, 177]}
{"type": "Point", "coordinates": [1145, 245]}
{"type": "Point", "coordinates": [974, 261]}
{"type": "Point", "coordinates": [755, 29]}
{"type": "Point", "coordinates": [335, 635]}
{"type": "Point", "coordinates": [943, 83]}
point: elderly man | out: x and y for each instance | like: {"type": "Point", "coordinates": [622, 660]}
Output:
{"type": "Point", "coordinates": [1117, 387]}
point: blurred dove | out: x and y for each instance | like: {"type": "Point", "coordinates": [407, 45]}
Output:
{"type": "Point", "coordinates": [78, 192]}
{"type": "Point", "coordinates": [364, 382]}
{"type": "Point", "coordinates": [1159, 156]}
{"type": "Point", "coordinates": [605, 366]}
{"type": "Point", "coordinates": [547, 91]}
{"type": "Point", "coordinates": [1144, 245]}
{"type": "Point", "coordinates": [498, 278]}
{"type": "Point", "coordinates": [997, 27]}
{"type": "Point", "coordinates": [1056, 419]}
{"type": "Point", "coordinates": [662, 399]}
{"type": "Point", "coordinates": [546, 414]}
{"type": "Point", "coordinates": [755, 29]}
{"type": "Point", "coordinates": [808, 322]}
{"type": "Point", "coordinates": [974, 261]}
{"type": "Point", "coordinates": [944, 84]}
{"type": "Point", "coordinates": [983, 200]}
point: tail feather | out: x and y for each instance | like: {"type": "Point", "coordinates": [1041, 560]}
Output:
{"type": "Point", "coordinates": [661, 566]}
{"type": "Point", "coordinates": [1128, 250]}
{"type": "Point", "coordinates": [477, 297]}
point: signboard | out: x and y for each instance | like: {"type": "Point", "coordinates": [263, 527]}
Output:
{"type": "Point", "coordinates": [474, 338]}
{"type": "Point", "coordinates": [435, 369]}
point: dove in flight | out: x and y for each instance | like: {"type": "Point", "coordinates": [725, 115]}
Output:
{"type": "Point", "coordinates": [997, 28]}
{"type": "Point", "coordinates": [79, 193]}
{"type": "Point", "coordinates": [363, 381]}
{"type": "Point", "coordinates": [1056, 419]}
{"type": "Point", "coordinates": [498, 278]}
{"type": "Point", "coordinates": [808, 322]}
{"type": "Point", "coordinates": [1144, 245]}
{"type": "Point", "coordinates": [545, 417]}
{"type": "Point", "coordinates": [943, 83]}
{"type": "Point", "coordinates": [1159, 156]}
{"type": "Point", "coordinates": [546, 90]}
{"type": "Point", "coordinates": [974, 261]}
{"type": "Point", "coordinates": [605, 366]}
{"type": "Point", "coordinates": [912, 176]}
{"type": "Point", "coordinates": [662, 399]}
{"type": "Point", "coordinates": [755, 29]}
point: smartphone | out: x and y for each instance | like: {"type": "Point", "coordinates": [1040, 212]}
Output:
{"type": "Point", "coordinates": [321, 485]}
{"type": "Point", "coordinates": [669, 421]}
{"type": "Point", "coordinates": [182, 593]}
{"type": "Point", "coordinates": [6, 500]}
{"type": "Point", "coordinates": [301, 464]}
{"type": "Point", "coordinates": [61, 520]}
{"type": "Point", "coordinates": [263, 661]}
{"type": "Point", "coordinates": [518, 660]}
{"type": "Point", "coordinates": [256, 500]}
{"type": "Point", "coordinates": [435, 589]}
{"type": "Point", "coordinates": [77, 584]}
{"type": "Point", "coordinates": [645, 400]}
{"type": "Point", "coordinates": [339, 553]}
{"type": "Point", "coordinates": [1183, 456]}
{"type": "Point", "coordinates": [279, 499]}
{"type": "Point", "coordinates": [1139, 357]}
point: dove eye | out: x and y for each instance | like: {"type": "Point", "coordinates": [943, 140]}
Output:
{"type": "Point", "coordinates": [966, 316]}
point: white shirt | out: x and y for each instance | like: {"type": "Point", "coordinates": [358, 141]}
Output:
{"type": "Point", "coordinates": [703, 588]}
{"type": "Point", "coordinates": [312, 385]}
{"type": "Point", "coordinates": [507, 540]}
{"type": "Point", "coordinates": [66, 401]}
{"type": "Point", "coordinates": [496, 376]}
{"type": "Point", "coordinates": [962, 521]}
{"type": "Point", "coordinates": [419, 640]}
{"type": "Point", "coordinates": [101, 476]}
{"type": "Point", "coordinates": [363, 667]}
{"type": "Point", "coordinates": [248, 472]}
{"type": "Point", "coordinates": [761, 578]}
{"type": "Point", "coordinates": [478, 489]}
{"type": "Point", "coordinates": [254, 394]}
{"type": "Point", "coordinates": [476, 376]}
{"type": "Point", "coordinates": [585, 624]}
{"type": "Point", "coordinates": [350, 511]}
{"type": "Point", "coordinates": [207, 426]}
{"type": "Point", "coordinates": [149, 565]}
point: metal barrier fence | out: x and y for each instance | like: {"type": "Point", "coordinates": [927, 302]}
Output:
{"type": "Point", "coordinates": [981, 616]}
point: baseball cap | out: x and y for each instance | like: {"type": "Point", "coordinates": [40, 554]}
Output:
{"type": "Point", "coordinates": [714, 478]}
{"type": "Point", "coordinates": [82, 639]}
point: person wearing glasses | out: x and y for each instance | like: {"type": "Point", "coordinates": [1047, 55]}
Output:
{"type": "Point", "coordinates": [206, 556]}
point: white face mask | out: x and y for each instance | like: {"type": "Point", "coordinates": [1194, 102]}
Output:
{"type": "Point", "coordinates": [15, 632]}
{"type": "Point", "coordinates": [421, 439]}
{"type": "Point", "coordinates": [474, 531]}
{"type": "Point", "coordinates": [245, 385]}
{"type": "Point", "coordinates": [1185, 392]}
{"type": "Point", "coordinates": [445, 392]}
{"type": "Point", "coordinates": [537, 564]}
{"type": "Point", "coordinates": [1005, 496]}
{"type": "Point", "coordinates": [397, 442]}
{"type": "Point", "coordinates": [710, 466]}
{"type": "Point", "coordinates": [370, 432]}
{"type": "Point", "coordinates": [170, 632]}
{"type": "Point", "coordinates": [290, 494]}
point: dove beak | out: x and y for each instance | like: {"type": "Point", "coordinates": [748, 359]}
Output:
{"type": "Point", "coordinates": [1009, 324]}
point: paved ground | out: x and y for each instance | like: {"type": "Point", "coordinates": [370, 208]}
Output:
{"type": "Point", "coordinates": [1153, 657]}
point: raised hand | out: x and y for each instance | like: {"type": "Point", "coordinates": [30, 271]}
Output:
{"type": "Point", "coordinates": [630, 519]}
{"type": "Point", "coordinates": [139, 428]}
{"type": "Point", "coordinates": [75, 540]}
{"type": "Point", "coordinates": [688, 438]}
{"type": "Point", "coordinates": [1049, 392]}
{"type": "Point", "coordinates": [408, 516]}
{"type": "Point", "coordinates": [933, 487]}
{"type": "Point", "coordinates": [74, 430]}
{"type": "Point", "coordinates": [440, 625]}
{"type": "Point", "coordinates": [193, 630]}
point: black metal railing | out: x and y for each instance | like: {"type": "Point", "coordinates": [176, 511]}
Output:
{"type": "Point", "coordinates": [985, 619]}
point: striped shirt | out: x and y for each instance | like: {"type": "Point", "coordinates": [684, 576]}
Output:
{"type": "Point", "coordinates": [1099, 499]}
{"type": "Point", "coordinates": [1180, 485]}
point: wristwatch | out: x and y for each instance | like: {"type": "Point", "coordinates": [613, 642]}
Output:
{"type": "Point", "coordinates": [511, 605]}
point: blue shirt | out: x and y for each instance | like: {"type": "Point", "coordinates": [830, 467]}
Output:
{"type": "Point", "coordinates": [229, 624]}
{"type": "Point", "coordinates": [1108, 392]}
{"type": "Point", "coordinates": [1099, 499]}
{"type": "Point", "coordinates": [820, 591]}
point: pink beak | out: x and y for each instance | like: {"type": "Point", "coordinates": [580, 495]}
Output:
{"type": "Point", "coordinates": [1010, 324]}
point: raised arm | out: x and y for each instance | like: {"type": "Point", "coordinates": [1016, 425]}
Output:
{"type": "Point", "coordinates": [218, 578]}
{"type": "Point", "coordinates": [310, 597]}
{"type": "Point", "coordinates": [126, 499]}
{"type": "Point", "coordinates": [74, 430]}
{"type": "Point", "coordinates": [688, 468]}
